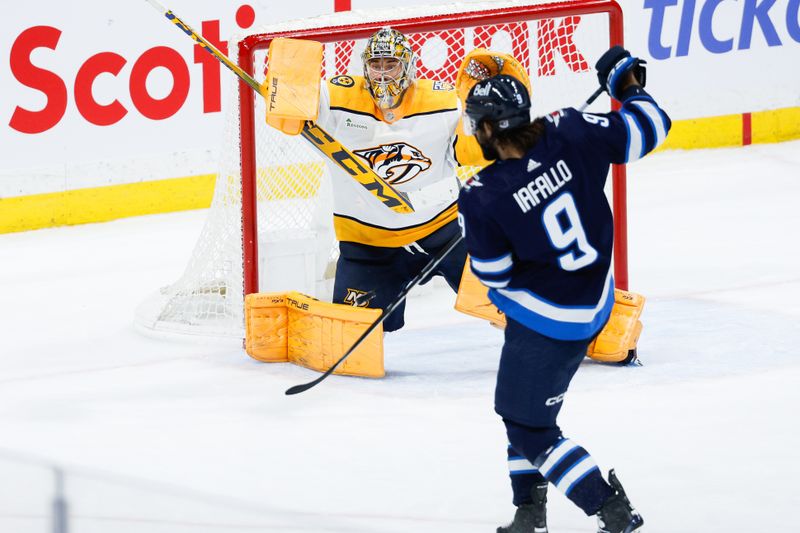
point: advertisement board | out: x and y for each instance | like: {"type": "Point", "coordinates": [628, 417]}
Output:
{"type": "Point", "coordinates": [101, 94]}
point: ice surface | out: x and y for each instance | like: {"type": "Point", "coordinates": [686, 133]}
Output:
{"type": "Point", "coordinates": [167, 436]}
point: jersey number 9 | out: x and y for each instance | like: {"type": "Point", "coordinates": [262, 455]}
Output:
{"type": "Point", "coordinates": [568, 234]}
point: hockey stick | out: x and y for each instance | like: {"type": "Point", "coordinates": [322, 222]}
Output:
{"type": "Point", "coordinates": [591, 99]}
{"type": "Point", "coordinates": [424, 273]}
{"type": "Point", "coordinates": [315, 135]}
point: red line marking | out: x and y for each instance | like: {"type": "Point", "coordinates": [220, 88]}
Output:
{"type": "Point", "coordinates": [341, 5]}
{"type": "Point", "coordinates": [747, 129]}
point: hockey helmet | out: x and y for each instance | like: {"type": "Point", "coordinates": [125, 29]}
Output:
{"type": "Point", "coordinates": [501, 100]}
{"type": "Point", "coordinates": [390, 67]}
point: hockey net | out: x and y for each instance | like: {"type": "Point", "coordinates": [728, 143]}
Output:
{"type": "Point", "coordinates": [269, 226]}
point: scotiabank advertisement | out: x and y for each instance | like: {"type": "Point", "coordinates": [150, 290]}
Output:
{"type": "Point", "coordinates": [100, 93]}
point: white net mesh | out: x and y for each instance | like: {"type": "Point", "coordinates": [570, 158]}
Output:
{"type": "Point", "coordinates": [296, 246]}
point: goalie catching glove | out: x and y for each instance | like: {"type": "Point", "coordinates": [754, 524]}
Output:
{"type": "Point", "coordinates": [481, 64]}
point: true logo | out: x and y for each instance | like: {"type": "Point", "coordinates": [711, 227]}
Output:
{"type": "Point", "coordinates": [397, 162]}
{"type": "Point", "coordinates": [273, 94]}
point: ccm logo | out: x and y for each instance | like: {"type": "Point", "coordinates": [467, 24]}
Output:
{"type": "Point", "coordinates": [554, 400]}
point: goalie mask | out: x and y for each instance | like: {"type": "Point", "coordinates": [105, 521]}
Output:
{"type": "Point", "coordinates": [390, 67]}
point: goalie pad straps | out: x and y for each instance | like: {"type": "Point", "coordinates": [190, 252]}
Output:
{"type": "Point", "coordinates": [292, 327]}
{"type": "Point", "coordinates": [618, 336]}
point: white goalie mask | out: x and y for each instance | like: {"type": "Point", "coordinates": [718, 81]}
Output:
{"type": "Point", "coordinates": [390, 67]}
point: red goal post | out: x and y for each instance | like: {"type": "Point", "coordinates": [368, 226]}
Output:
{"type": "Point", "coordinates": [431, 25]}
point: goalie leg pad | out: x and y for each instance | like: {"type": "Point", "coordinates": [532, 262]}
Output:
{"type": "Point", "coordinates": [312, 333]}
{"type": "Point", "coordinates": [622, 331]}
{"type": "Point", "coordinates": [612, 344]}
{"type": "Point", "coordinates": [473, 299]}
{"type": "Point", "coordinates": [265, 320]}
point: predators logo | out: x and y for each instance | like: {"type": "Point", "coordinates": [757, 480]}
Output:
{"type": "Point", "coordinates": [396, 163]}
{"type": "Point", "coordinates": [357, 298]}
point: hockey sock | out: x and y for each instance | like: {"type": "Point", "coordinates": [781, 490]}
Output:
{"type": "Point", "coordinates": [524, 476]}
{"type": "Point", "coordinates": [573, 471]}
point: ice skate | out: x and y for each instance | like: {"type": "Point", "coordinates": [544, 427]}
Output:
{"type": "Point", "coordinates": [530, 517]}
{"type": "Point", "coordinates": [617, 514]}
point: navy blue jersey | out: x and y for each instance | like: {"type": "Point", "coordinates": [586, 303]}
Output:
{"type": "Point", "coordinates": [539, 229]}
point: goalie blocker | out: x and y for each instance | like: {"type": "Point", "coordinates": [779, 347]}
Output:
{"type": "Point", "coordinates": [616, 342]}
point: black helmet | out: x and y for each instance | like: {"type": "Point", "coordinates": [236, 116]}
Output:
{"type": "Point", "coordinates": [502, 100]}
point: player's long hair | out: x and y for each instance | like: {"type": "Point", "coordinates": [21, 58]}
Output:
{"type": "Point", "coordinates": [523, 138]}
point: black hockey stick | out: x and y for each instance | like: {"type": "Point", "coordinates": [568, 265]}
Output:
{"type": "Point", "coordinates": [591, 99]}
{"type": "Point", "coordinates": [424, 273]}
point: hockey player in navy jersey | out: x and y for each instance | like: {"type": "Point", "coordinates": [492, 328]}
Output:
{"type": "Point", "coordinates": [539, 231]}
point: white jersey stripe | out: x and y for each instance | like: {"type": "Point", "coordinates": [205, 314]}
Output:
{"type": "Point", "coordinates": [540, 306]}
{"type": "Point", "coordinates": [635, 137]}
{"type": "Point", "coordinates": [656, 119]}
{"type": "Point", "coordinates": [492, 266]}
{"type": "Point", "coordinates": [561, 449]}
{"type": "Point", "coordinates": [495, 284]}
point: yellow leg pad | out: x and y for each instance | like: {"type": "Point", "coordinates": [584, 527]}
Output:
{"type": "Point", "coordinates": [611, 345]}
{"type": "Point", "coordinates": [292, 86]}
{"type": "Point", "coordinates": [622, 331]}
{"type": "Point", "coordinates": [314, 334]}
{"type": "Point", "coordinates": [265, 321]}
{"type": "Point", "coordinates": [473, 299]}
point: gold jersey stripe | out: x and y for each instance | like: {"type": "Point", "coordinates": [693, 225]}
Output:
{"type": "Point", "coordinates": [351, 230]}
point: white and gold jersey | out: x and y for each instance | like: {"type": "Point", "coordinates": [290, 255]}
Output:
{"type": "Point", "coordinates": [412, 148]}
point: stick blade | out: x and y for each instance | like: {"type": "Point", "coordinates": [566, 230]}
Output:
{"type": "Point", "coordinates": [297, 389]}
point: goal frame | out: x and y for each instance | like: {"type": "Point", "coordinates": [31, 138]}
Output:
{"type": "Point", "coordinates": [247, 129]}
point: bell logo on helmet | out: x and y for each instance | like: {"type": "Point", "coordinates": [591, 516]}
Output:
{"type": "Point", "coordinates": [482, 90]}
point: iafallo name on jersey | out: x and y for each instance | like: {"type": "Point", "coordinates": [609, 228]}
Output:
{"type": "Point", "coordinates": [543, 186]}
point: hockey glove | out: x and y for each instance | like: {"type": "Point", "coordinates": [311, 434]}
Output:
{"type": "Point", "coordinates": [613, 66]}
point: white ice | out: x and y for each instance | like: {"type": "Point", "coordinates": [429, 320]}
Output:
{"type": "Point", "coordinates": [165, 436]}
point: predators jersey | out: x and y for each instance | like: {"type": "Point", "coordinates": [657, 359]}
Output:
{"type": "Point", "coordinates": [415, 148]}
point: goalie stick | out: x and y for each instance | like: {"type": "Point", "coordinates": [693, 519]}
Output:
{"type": "Point", "coordinates": [426, 271]}
{"type": "Point", "coordinates": [315, 135]}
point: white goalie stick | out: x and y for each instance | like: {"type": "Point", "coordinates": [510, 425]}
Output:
{"type": "Point", "coordinates": [424, 273]}
{"type": "Point", "coordinates": [313, 133]}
